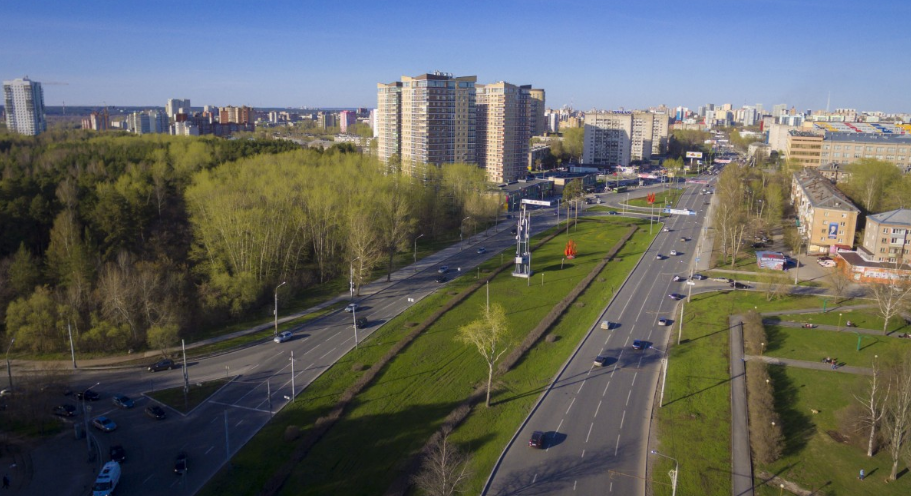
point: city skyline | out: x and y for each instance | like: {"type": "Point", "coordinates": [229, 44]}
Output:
{"type": "Point", "coordinates": [586, 54]}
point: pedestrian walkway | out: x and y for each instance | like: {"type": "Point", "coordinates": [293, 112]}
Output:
{"type": "Point", "coordinates": [741, 459]}
{"type": "Point", "coordinates": [803, 364]}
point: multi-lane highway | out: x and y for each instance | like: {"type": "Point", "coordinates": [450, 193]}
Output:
{"type": "Point", "coordinates": [596, 418]}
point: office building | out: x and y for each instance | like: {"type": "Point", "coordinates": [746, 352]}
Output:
{"type": "Point", "coordinates": [177, 106]}
{"type": "Point", "coordinates": [803, 148]}
{"type": "Point", "coordinates": [827, 218]}
{"type": "Point", "coordinates": [845, 148]}
{"type": "Point", "coordinates": [24, 104]}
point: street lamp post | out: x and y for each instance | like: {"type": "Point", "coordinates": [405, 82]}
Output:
{"type": "Point", "coordinates": [276, 308]}
{"type": "Point", "coordinates": [85, 418]}
{"type": "Point", "coordinates": [839, 322]}
{"type": "Point", "coordinates": [416, 250]}
{"type": "Point", "coordinates": [292, 375]}
{"type": "Point", "coordinates": [673, 473]}
{"type": "Point", "coordinates": [351, 273]}
{"type": "Point", "coordinates": [9, 370]}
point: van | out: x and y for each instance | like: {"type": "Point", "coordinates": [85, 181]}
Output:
{"type": "Point", "coordinates": [107, 479]}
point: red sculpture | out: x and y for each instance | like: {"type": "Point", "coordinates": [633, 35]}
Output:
{"type": "Point", "coordinates": [570, 250]}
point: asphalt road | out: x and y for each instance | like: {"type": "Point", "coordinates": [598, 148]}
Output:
{"type": "Point", "coordinates": [261, 385]}
{"type": "Point", "coordinates": [596, 419]}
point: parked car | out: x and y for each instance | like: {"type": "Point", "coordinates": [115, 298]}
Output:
{"type": "Point", "coordinates": [283, 336]}
{"type": "Point", "coordinates": [104, 424]}
{"type": "Point", "coordinates": [351, 307]}
{"type": "Point", "coordinates": [155, 411]}
{"type": "Point", "coordinates": [88, 395]}
{"type": "Point", "coordinates": [164, 364]}
{"type": "Point", "coordinates": [180, 463]}
{"type": "Point", "coordinates": [739, 285]}
{"type": "Point", "coordinates": [537, 440]}
{"type": "Point", "coordinates": [699, 277]}
{"type": "Point", "coordinates": [121, 401]}
{"type": "Point", "coordinates": [65, 410]}
{"type": "Point", "coordinates": [118, 454]}
{"type": "Point", "coordinates": [601, 361]}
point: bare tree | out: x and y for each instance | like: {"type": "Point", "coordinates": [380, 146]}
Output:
{"type": "Point", "coordinates": [488, 335]}
{"type": "Point", "coordinates": [444, 470]}
{"type": "Point", "coordinates": [874, 406]}
{"type": "Point", "coordinates": [897, 417]}
{"type": "Point", "coordinates": [891, 298]}
{"type": "Point", "coordinates": [838, 282]}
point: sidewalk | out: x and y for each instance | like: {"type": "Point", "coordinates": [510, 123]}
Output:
{"type": "Point", "coordinates": [803, 364]}
{"type": "Point", "coordinates": [741, 458]}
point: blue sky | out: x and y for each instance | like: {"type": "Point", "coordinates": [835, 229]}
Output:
{"type": "Point", "coordinates": [592, 54]}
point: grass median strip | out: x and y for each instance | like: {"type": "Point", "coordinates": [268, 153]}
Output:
{"type": "Point", "coordinates": [196, 394]}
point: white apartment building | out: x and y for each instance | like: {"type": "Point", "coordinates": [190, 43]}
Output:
{"type": "Point", "coordinates": [24, 101]}
{"type": "Point", "coordinates": [388, 128]}
{"type": "Point", "coordinates": [177, 106]}
{"type": "Point", "coordinates": [147, 122]}
{"type": "Point", "coordinates": [608, 138]}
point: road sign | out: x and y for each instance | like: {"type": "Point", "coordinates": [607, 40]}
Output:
{"type": "Point", "coordinates": [678, 211]}
{"type": "Point", "coordinates": [536, 202]}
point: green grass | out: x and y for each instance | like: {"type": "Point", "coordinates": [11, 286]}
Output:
{"type": "Point", "coordinates": [812, 457]}
{"type": "Point", "coordinates": [671, 196]}
{"type": "Point", "coordinates": [761, 275]}
{"type": "Point", "coordinates": [815, 344]}
{"type": "Point", "coordinates": [197, 393]}
{"type": "Point", "coordinates": [694, 423]}
{"type": "Point", "coordinates": [602, 208]}
{"type": "Point", "coordinates": [865, 318]}
{"type": "Point", "coordinates": [414, 393]}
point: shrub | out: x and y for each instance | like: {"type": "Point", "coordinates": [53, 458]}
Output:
{"type": "Point", "coordinates": [766, 436]}
{"type": "Point", "coordinates": [753, 333]}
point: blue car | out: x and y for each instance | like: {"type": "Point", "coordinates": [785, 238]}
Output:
{"type": "Point", "coordinates": [121, 401]}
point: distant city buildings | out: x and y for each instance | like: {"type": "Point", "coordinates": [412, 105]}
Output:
{"type": "Point", "coordinates": [97, 121]}
{"type": "Point", "coordinates": [346, 119]}
{"type": "Point", "coordinates": [24, 104]}
{"type": "Point", "coordinates": [615, 138]}
{"type": "Point", "coordinates": [147, 122]}
{"type": "Point", "coordinates": [177, 106]}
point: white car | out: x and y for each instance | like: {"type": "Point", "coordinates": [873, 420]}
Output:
{"type": "Point", "coordinates": [673, 252]}
{"type": "Point", "coordinates": [351, 307]}
{"type": "Point", "coordinates": [663, 322]}
{"type": "Point", "coordinates": [443, 269]}
{"type": "Point", "coordinates": [282, 337]}
{"type": "Point", "coordinates": [690, 282]}
{"type": "Point", "coordinates": [665, 230]}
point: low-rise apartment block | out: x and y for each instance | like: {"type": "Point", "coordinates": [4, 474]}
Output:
{"type": "Point", "coordinates": [827, 218]}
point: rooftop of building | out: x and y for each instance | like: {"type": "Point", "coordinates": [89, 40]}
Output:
{"type": "Point", "coordinates": [902, 139]}
{"type": "Point", "coordinates": [804, 134]}
{"type": "Point", "coordinates": [821, 193]}
{"type": "Point", "coordinates": [854, 258]}
{"type": "Point", "coordinates": [902, 216]}
{"type": "Point", "coordinates": [886, 128]}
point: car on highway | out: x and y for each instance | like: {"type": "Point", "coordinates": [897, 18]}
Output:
{"type": "Point", "coordinates": [537, 440]}
{"type": "Point", "coordinates": [283, 336]}
{"type": "Point", "coordinates": [678, 278]}
{"type": "Point", "coordinates": [639, 344]}
{"type": "Point", "coordinates": [665, 230]}
{"type": "Point", "coordinates": [103, 423]}
{"type": "Point", "coordinates": [684, 240]}
{"type": "Point", "coordinates": [88, 395]}
{"type": "Point", "coordinates": [601, 361]}
{"type": "Point", "coordinates": [443, 269]}
{"type": "Point", "coordinates": [180, 463]}
{"type": "Point", "coordinates": [606, 324]}
{"type": "Point", "coordinates": [664, 322]}
{"type": "Point", "coordinates": [155, 411]}
{"type": "Point", "coordinates": [699, 277]}
{"type": "Point", "coordinates": [722, 279]}
{"type": "Point", "coordinates": [361, 322]}
{"type": "Point", "coordinates": [440, 279]}
{"type": "Point", "coordinates": [65, 410]}
{"type": "Point", "coordinates": [739, 285]}
{"type": "Point", "coordinates": [659, 257]}
{"type": "Point", "coordinates": [121, 401]}
{"type": "Point", "coordinates": [118, 454]}
{"type": "Point", "coordinates": [164, 364]}
{"type": "Point", "coordinates": [673, 253]}
{"type": "Point", "coordinates": [675, 296]}
{"type": "Point", "coordinates": [482, 250]}
{"type": "Point", "coordinates": [57, 388]}
{"type": "Point", "coordinates": [351, 307]}
{"type": "Point", "coordinates": [613, 212]}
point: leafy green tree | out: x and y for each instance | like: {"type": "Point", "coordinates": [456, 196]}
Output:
{"type": "Point", "coordinates": [869, 182]}
{"type": "Point", "coordinates": [163, 337]}
{"type": "Point", "coordinates": [574, 142]}
{"type": "Point", "coordinates": [33, 322]}
{"type": "Point", "coordinates": [24, 273]}
{"type": "Point", "coordinates": [488, 335]}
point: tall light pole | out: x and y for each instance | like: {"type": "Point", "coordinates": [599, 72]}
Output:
{"type": "Point", "coordinates": [416, 250]}
{"type": "Point", "coordinates": [276, 308]}
{"type": "Point", "coordinates": [292, 376]}
{"type": "Point", "coordinates": [461, 225]}
{"type": "Point", "coordinates": [354, 316]}
{"type": "Point", "coordinates": [85, 418]}
{"type": "Point", "coordinates": [673, 473]}
{"type": "Point", "coordinates": [9, 370]}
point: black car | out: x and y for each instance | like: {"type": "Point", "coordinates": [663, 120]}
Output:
{"type": "Point", "coordinates": [537, 440]}
{"type": "Point", "coordinates": [163, 365]}
{"type": "Point", "coordinates": [155, 411]}
{"type": "Point", "coordinates": [88, 395]}
{"type": "Point", "coordinates": [65, 410]}
{"type": "Point", "coordinates": [180, 463]}
{"type": "Point", "coordinates": [118, 454]}
{"type": "Point", "coordinates": [699, 277]}
{"type": "Point", "coordinates": [361, 322]}
{"type": "Point", "coordinates": [638, 344]}
{"type": "Point", "coordinates": [739, 285]}
{"type": "Point", "coordinates": [440, 279]}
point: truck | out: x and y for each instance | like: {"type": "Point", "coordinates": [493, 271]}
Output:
{"type": "Point", "coordinates": [107, 479]}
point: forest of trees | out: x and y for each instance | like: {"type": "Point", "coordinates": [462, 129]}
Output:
{"type": "Point", "coordinates": [136, 241]}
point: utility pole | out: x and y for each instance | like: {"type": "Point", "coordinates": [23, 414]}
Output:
{"type": "Point", "coordinates": [186, 376]}
{"type": "Point", "coordinates": [354, 315]}
{"type": "Point", "coordinates": [292, 375]}
{"type": "Point", "coordinates": [663, 380]}
{"type": "Point", "coordinates": [9, 370]}
{"type": "Point", "coordinates": [269, 397]}
{"type": "Point", "coordinates": [276, 308]}
{"type": "Point", "coordinates": [69, 329]}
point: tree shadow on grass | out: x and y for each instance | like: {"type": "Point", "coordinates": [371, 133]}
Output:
{"type": "Point", "coordinates": [774, 338]}
{"type": "Point", "coordinates": [797, 427]}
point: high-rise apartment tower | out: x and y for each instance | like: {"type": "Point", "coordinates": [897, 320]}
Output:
{"type": "Point", "coordinates": [24, 100]}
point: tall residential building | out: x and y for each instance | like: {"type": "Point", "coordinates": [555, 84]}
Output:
{"type": "Point", "coordinates": [388, 128]}
{"type": "Point", "coordinates": [177, 106]}
{"type": "Point", "coordinates": [534, 109]}
{"type": "Point", "coordinates": [649, 135]}
{"type": "Point", "coordinates": [346, 118]}
{"type": "Point", "coordinates": [24, 100]}
{"type": "Point", "coordinates": [148, 121]}
{"type": "Point", "coordinates": [501, 131]}
{"type": "Point", "coordinates": [608, 137]}
{"type": "Point", "coordinates": [235, 115]}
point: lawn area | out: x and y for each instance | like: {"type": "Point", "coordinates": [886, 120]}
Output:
{"type": "Point", "coordinates": [864, 318]}
{"type": "Point", "coordinates": [198, 393]}
{"type": "Point", "coordinates": [415, 392]}
{"type": "Point", "coordinates": [694, 423]}
{"type": "Point", "coordinates": [812, 457]}
{"type": "Point", "coordinates": [602, 208]}
{"type": "Point", "coordinates": [671, 196]}
{"type": "Point", "coordinates": [761, 275]}
{"type": "Point", "coordinates": [815, 344]}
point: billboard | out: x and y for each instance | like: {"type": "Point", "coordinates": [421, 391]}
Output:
{"type": "Point", "coordinates": [693, 154]}
{"type": "Point", "coordinates": [833, 230]}
{"type": "Point", "coordinates": [536, 202]}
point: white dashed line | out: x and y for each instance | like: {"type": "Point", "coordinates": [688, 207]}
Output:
{"type": "Point", "coordinates": [590, 430]}
{"type": "Point", "coordinates": [628, 396]}
{"type": "Point", "coordinates": [533, 479]}
{"type": "Point", "coordinates": [237, 424]}
{"type": "Point", "coordinates": [208, 450]}
{"type": "Point", "coordinates": [597, 409]}
{"type": "Point", "coordinates": [580, 387]}
{"type": "Point", "coordinates": [617, 447]}
{"type": "Point", "coordinates": [634, 378]}
{"type": "Point", "coordinates": [583, 453]}
{"type": "Point", "coordinates": [570, 406]}
{"type": "Point", "coordinates": [622, 418]}
{"type": "Point", "coordinates": [330, 351]}
{"type": "Point", "coordinates": [605, 389]}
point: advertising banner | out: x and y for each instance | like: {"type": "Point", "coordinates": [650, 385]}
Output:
{"type": "Point", "coordinates": [693, 154]}
{"type": "Point", "coordinates": [833, 230]}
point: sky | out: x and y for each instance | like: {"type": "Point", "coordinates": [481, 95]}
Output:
{"type": "Point", "coordinates": [605, 54]}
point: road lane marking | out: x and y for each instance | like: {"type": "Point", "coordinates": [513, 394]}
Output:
{"type": "Point", "coordinates": [580, 385]}
{"type": "Point", "coordinates": [622, 418]}
{"type": "Point", "coordinates": [570, 406]}
{"type": "Point", "coordinates": [147, 478]}
{"type": "Point", "coordinates": [617, 447]}
{"type": "Point", "coordinates": [238, 406]}
{"type": "Point", "coordinates": [628, 396]}
{"type": "Point", "coordinates": [574, 485]}
{"type": "Point", "coordinates": [314, 348]}
{"type": "Point", "coordinates": [330, 351]}
{"type": "Point", "coordinates": [238, 424]}
{"type": "Point", "coordinates": [208, 450]}
{"type": "Point", "coordinates": [590, 432]}
{"type": "Point", "coordinates": [533, 479]}
{"type": "Point", "coordinates": [634, 375]}
{"type": "Point", "coordinates": [583, 453]}
{"type": "Point", "coordinates": [597, 409]}
{"type": "Point", "coordinates": [605, 389]}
